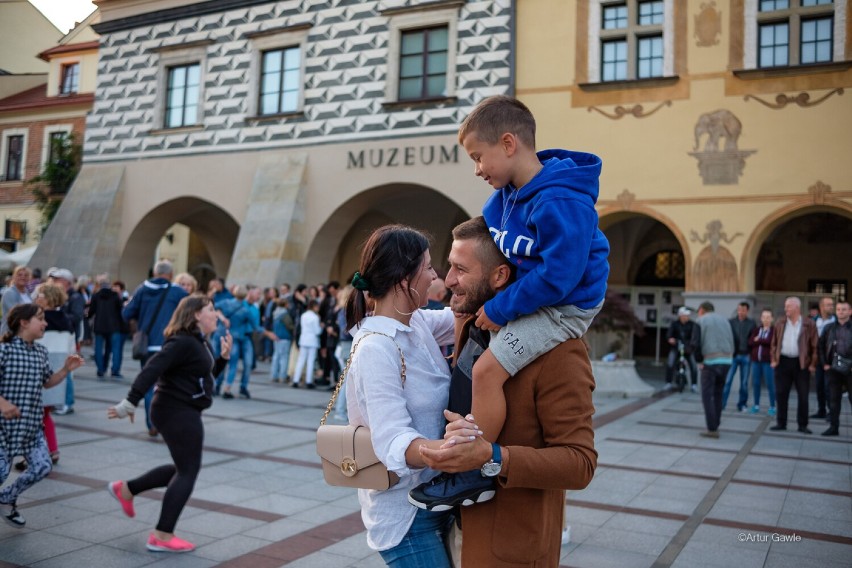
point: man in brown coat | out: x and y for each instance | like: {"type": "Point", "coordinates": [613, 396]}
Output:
{"type": "Point", "coordinates": [547, 443]}
{"type": "Point", "coordinates": [793, 355]}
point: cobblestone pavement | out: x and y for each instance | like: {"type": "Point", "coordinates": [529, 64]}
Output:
{"type": "Point", "coordinates": [662, 495]}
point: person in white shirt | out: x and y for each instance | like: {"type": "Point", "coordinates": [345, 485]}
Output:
{"type": "Point", "coordinates": [402, 404]}
{"type": "Point", "coordinates": [309, 342]}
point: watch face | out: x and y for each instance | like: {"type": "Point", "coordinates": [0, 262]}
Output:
{"type": "Point", "coordinates": [491, 469]}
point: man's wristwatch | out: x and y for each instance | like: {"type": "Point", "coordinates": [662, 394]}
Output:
{"type": "Point", "coordinates": [492, 467]}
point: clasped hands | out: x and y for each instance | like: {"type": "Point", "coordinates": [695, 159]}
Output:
{"type": "Point", "coordinates": [463, 449]}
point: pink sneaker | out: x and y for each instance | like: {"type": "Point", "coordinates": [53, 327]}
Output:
{"type": "Point", "coordinates": [114, 489]}
{"type": "Point", "coordinates": [174, 544]}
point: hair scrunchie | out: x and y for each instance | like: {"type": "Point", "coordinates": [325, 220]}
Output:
{"type": "Point", "coordinates": [360, 283]}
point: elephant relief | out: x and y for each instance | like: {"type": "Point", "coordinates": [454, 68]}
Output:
{"type": "Point", "coordinates": [718, 124]}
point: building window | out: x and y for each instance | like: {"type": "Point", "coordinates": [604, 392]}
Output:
{"type": "Point", "coordinates": [280, 81]}
{"type": "Point", "coordinates": [70, 79]}
{"type": "Point", "coordinates": [182, 95]}
{"type": "Point", "coordinates": [423, 63]}
{"type": "Point", "coordinates": [14, 157]}
{"type": "Point", "coordinates": [422, 52]}
{"type": "Point", "coordinates": [56, 141]}
{"type": "Point", "coordinates": [16, 230]}
{"type": "Point", "coordinates": [632, 39]}
{"type": "Point", "coordinates": [794, 32]}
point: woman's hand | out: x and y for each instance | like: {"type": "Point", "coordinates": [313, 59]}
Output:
{"type": "Point", "coordinates": [74, 362]}
{"type": "Point", "coordinates": [9, 411]}
{"type": "Point", "coordinates": [225, 343]}
{"type": "Point", "coordinates": [460, 429]}
{"type": "Point", "coordinates": [123, 409]}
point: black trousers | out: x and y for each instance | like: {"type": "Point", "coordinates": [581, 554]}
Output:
{"type": "Point", "coordinates": [789, 374]}
{"type": "Point", "coordinates": [712, 384]}
{"type": "Point", "coordinates": [835, 385]}
{"type": "Point", "coordinates": [181, 428]}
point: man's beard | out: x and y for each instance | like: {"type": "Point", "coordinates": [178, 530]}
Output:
{"type": "Point", "coordinates": [473, 299]}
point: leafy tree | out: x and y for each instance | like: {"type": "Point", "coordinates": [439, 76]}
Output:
{"type": "Point", "coordinates": [51, 185]}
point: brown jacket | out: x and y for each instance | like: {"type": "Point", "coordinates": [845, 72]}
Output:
{"type": "Point", "coordinates": [807, 342]}
{"type": "Point", "coordinates": [548, 432]}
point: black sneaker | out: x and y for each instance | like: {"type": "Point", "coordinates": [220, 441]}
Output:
{"type": "Point", "coordinates": [244, 393]}
{"type": "Point", "coordinates": [13, 516]}
{"type": "Point", "coordinates": [227, 395]}
{"type": "Point", "coordinates": [450, 489]}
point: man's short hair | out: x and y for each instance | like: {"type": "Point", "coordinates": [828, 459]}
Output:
{"type": "Point", "coordinates": [476, 229]}
{"type": "Point", "coordinates": [707, 307]}
{"type": "Point", "coordinates": [795, 299]}
{"type": "Point", "coordinates": [745, 305]}
{"type": "Point", "coordinates": [163, 268]}
{"type": "Point", "coordinates": [497, 115]}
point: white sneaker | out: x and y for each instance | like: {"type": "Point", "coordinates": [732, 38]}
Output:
{"type": "Point", "coordinates": [566, 535]}
{"type": "Point", "coordinates": [694, 388]}
{"type": "Point", "coordinates": [667, 387]}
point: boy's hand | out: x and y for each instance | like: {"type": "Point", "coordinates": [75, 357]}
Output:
{"type": "Point", "coordinates": [484, 322]}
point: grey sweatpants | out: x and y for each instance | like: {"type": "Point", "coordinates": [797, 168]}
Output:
{"type": "Point", "coordinates": [525, 339]}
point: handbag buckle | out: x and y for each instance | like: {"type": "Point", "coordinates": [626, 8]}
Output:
{"type": "Point", "coordinates": [348, 467]}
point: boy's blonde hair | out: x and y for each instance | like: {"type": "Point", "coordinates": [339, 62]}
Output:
{"type": "Point", "coordinates": [497, 115]}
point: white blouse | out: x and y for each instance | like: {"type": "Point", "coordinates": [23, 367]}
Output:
{"type": "Point", "coordinates": [398, 415]}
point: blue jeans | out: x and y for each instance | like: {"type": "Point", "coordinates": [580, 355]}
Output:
{"type": "Point", "coordinates": [743, 362]}
{"type": "Point", "coordinates": [763, 370]}
{"type": "Point", "coordinates": [106, 345]}
{"type": "Point", "coordinates": [281, 359]}
{"type": "Point", "coordinates": [69, 390]}
{"type": "Point", "coordinates": [241, 348]}
{"type": "Point", "coordinates": [423, 545]}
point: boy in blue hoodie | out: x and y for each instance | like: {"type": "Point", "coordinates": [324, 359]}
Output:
{"type": "Point", "coordinates": [542, 217]}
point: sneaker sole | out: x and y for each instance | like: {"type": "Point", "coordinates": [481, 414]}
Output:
{"type": "Point", "coordinates": [12, 523]}
{"type": "Point", "coordinates": [155, 548]}
{"type": "Point", "coordinates": [480, 498]}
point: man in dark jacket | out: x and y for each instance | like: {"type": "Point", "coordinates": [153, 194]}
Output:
{"type": "Point", "coordinates": [682, 330]}
{"type": "Point", "coordinates": [105, 310]}
{"type": "Point", "coordinates": [741, 326]}
{"type": "Point", "coordinates": [794, 357]}
{"type": "Point", "coordinates": [152, 306]}
{"type": "Point", "coordinates": [837, 340]}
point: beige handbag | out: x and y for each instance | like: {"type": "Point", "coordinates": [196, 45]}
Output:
{"type": "Point", "coordinates": [348, 459]}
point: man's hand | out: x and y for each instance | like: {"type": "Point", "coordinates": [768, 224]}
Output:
{"type": "Point", "coordinates": [484, 322]}
{"type": "Point", "coordinates": [459, 457]}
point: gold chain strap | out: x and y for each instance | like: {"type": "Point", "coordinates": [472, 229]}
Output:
{"type": "Point", "coordinates": [346, 370]}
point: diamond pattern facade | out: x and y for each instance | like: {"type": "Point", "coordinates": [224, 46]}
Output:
{"type": "Point", "coordinates": [346, 69]}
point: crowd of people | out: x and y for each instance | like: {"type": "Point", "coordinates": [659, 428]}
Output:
{"type": "Point", "coordinates": [500, 433]}
{"type": "Point", "coordinates": [785, 354]}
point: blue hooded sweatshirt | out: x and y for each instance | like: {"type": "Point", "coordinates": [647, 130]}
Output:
{"type": "Point", "coordinates": [548, 229]}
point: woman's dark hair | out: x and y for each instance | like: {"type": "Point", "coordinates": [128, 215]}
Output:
{"type": "Point", "coordinates": [183, 320]}
{"type": "Point", "coordinates": [18, 315]}
{"type": "Point", "coordinates": [391, 254]}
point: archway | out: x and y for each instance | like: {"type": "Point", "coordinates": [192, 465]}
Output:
{"type": "Point", "coordinates": [336, 248]}
{"type": "Point", "coordinates": [211, 233]}
{"type": "Point", "coordinates": [803, 252]}
{"type": "Point", "coordinates": [648, 266]}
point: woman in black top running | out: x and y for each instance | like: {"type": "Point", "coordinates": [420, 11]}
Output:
{"type": "Point", "coordinates": [183, 370]}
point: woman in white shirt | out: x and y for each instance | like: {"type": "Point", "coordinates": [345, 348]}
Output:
{"type": "Point", "coordinates": [309, 342]}
{"type": "Point", "coordinates": [395, 273]}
